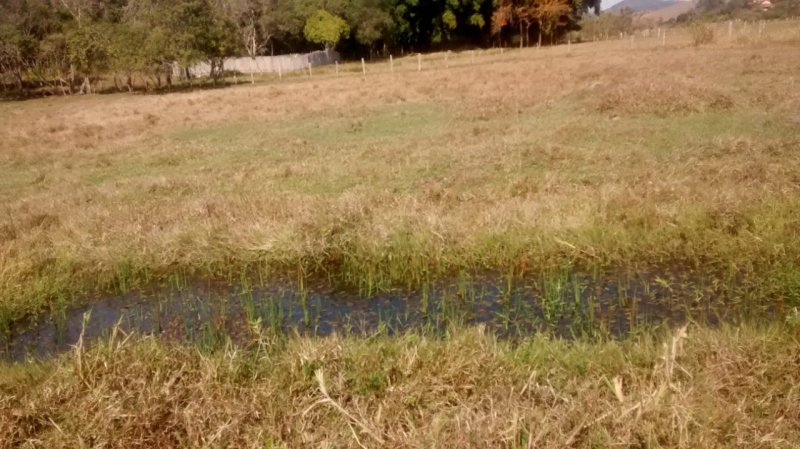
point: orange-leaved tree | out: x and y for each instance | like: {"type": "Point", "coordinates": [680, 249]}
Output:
{"type": "Point", "coordinates": [510, 12]}
{"type": "Point", "coordinates": [548, 14]}
{"type": "Point", "coordinates": [502, 16]}
{"type": "Point", "coordinates": [551, 14]}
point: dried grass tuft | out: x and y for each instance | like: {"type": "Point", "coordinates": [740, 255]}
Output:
{"type": "Point", "coordinates": [662, 96]}
{"type": "Point", "coordinates": [697, 387]}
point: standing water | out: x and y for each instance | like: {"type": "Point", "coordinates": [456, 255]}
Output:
{"type": "Point", "coordinates": [566, 305]}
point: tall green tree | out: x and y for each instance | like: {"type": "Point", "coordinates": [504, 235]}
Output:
{"type": "Point", "coordinates": [326, 29]}
{"type": "Point", "coordinates": [370, 21]}
{"type": "Point", "coordinates": [186, 32]}
{"type": "Point", "coordinates": [24, 26]}
{"type": "Point", "coordinates": [254, 20]}
{"type": "Point", "coordinates": [89, 51]}
{"type": "Point", "coordinates": [130, 51]}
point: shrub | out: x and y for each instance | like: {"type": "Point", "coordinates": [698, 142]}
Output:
{"type": "Point", "coordinates": [701, 33]}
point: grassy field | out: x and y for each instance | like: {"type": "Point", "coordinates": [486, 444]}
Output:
{"type": "Point", "coordinates": [605, 156]}
{"type": "Point", "coordinates": [601, 157]}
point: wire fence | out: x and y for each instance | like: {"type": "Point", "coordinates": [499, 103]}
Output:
{"type": "Point", "coordinates": [658, 38]}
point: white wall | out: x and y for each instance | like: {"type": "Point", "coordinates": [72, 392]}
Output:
{"type": "Point", "coordinates": [267, 64]}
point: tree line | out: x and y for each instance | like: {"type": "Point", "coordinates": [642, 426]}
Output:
{"type": "Point", "coordinates": [66, 44]}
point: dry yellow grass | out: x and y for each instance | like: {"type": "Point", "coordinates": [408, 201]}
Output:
{"type": "Point", "coordinates": [650, 155]}
{"type": "Point", "coordinates": [695, 388]}
{"type": "Point", "coordinates": [603, 157]}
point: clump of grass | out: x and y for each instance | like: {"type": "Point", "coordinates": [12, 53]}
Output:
{"type": "Point", "coordinates": [466, 390]}
{"type": "Point", "coordinates": [701, 33]}
{"type": "Point", "coordinates": [662, 95]}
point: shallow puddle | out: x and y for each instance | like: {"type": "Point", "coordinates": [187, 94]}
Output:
{"type": "Point", "coordinates": [565, 305]}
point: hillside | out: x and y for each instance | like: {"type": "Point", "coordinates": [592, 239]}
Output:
{"type": "Point", "coordinates": [643, 5]}
{"type": "Point", "coordinates": [670, 12]}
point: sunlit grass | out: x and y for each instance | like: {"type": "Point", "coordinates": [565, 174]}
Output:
{"type": "Point", "coordinates": [632, 158]}
{"type": "Point", "coordinates": [567, 191]}
{"type": "Point", "coordinates": [716, 388]}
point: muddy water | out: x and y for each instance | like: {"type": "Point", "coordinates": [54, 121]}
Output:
{"type": "Point", "coordinates": [208, 315]}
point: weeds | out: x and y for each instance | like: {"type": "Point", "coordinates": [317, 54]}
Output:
{"type": "Point", "coordinates": [467, 390]}
{"type": "Point", "coordinates": [701, 33]}
{"type": "Point", "coordinates": [563, 302]}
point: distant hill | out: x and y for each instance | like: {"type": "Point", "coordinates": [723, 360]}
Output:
{"type": "Point", "coordinates": [670, 12]}
{"type": "Point", "coordinates": [748, 9]}
{"type": "Point", "coordinates": [644, 5]}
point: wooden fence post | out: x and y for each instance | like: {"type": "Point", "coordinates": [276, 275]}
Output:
{"type": "Point", "coordinates": [364, 68]}
{"type": "Point", "coordinates": [252, 77]}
